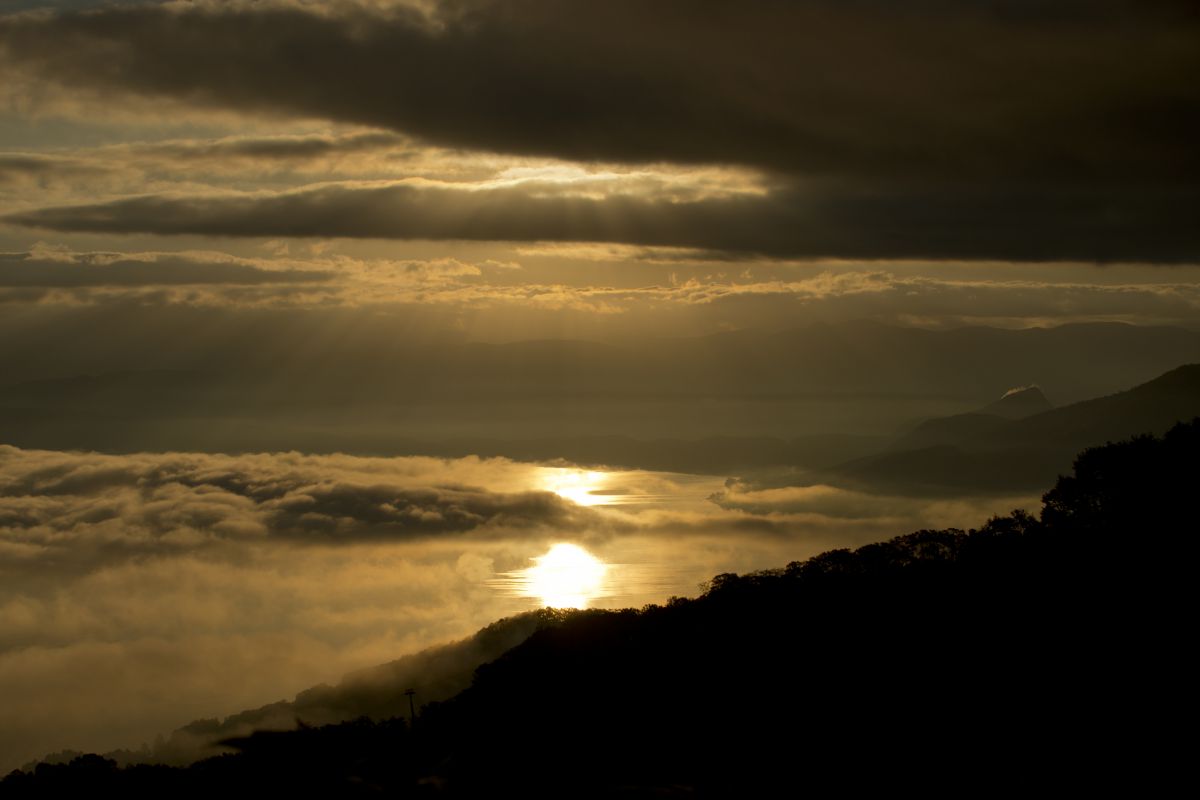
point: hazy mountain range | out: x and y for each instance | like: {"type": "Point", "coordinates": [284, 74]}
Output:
{"type": "Point", "coordinates": [808, 397]}
{"type": "Point", "coordinates": [984, 451]}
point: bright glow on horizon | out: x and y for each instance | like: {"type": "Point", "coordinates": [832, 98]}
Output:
{"type": "Point", "coordinates": [578, 485]}
{"type": "Point", "coordinates": [567, 576]}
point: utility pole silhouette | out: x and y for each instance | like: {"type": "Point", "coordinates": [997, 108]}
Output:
{"type": "Point", "coordinates": [412, 711]}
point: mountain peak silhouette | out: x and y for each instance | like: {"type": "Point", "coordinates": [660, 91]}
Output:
{"type": "Point", "coordinates": [1019, 403]}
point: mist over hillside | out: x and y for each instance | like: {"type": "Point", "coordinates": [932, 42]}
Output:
{"type": "Point", "coordinates": [318, 511]}
{"type": "Point", "coordinates": [377, 693]}
{"type": "Point", "coordinates": [936, 659]}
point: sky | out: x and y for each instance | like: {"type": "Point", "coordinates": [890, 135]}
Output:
{"type": "Point", "coordinates": [301, 299]}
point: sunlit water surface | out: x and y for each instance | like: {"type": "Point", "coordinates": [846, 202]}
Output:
{"type": "Point", "coordinates": [569, 575]}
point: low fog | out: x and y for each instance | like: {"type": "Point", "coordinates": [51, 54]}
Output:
{"type": "Point", "coordinates": [142, 591]}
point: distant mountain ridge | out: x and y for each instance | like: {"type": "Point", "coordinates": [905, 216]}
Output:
{"type": "Point", "coordinates": [1015, 404]}
{"type": "Point", "coordinates": [988, 453]}
{"type": "Point", "coordinates": [1019, 403]}
{"type": "Point", "coordinates": [719, 402]}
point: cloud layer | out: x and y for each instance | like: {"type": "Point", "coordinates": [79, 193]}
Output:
{"type": "Point", "coordinates": [65, 506]}
{"type": "Point", "coordinates": [1055, 223]}
{"type": "Point", "coordinates": [938, 129]}
{"type": "Point", "coordinates": [138, 592]}
{"type": "Point", "coordinates": [57, 269]}
{"type": "Point", "coordinates": [1060, 88]}
{"type": "Point", "coordinates": [595, 292]}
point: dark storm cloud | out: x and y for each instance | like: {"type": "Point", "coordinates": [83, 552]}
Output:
{"type": "Point", "coordinates": [274, 148]}
{"type": "Point", "coordinates": [933, 87]}
{"type": "Point", "coordinates": [935, 128]}
{"type": "Point", "coordinates": [21, 164]}
{"type": "Point", "coordinates": [17, 166]}
{"type": "Point", "coordinates": [61, 5]}
{"type": "Point", "coordinates": [103, 170]}
{"type": "Point", "coordinates": [1002, 222]}
{"type": "Point", "coordinates": [76, 270]}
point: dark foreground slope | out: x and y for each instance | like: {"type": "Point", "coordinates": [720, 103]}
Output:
{"type": "Point", "coordinates": [1030, 654]}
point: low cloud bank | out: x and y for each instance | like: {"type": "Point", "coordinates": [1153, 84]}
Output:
{"type": "Point", "coordinates": [141, 591]}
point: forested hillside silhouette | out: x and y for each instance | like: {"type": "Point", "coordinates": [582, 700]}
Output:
{"type": "Point", "coordinates": [1031, 654]}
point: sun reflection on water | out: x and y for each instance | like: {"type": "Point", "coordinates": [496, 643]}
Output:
{"type": "Point", "coordinates": [630, 573]}
{"type": "Point", "coordinates": [566, 576]}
